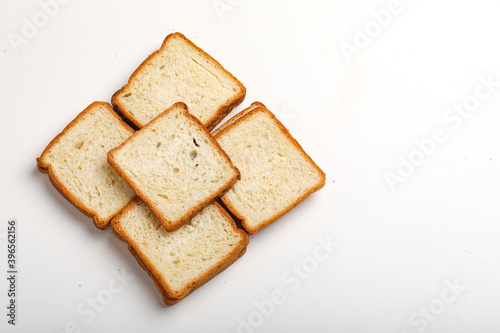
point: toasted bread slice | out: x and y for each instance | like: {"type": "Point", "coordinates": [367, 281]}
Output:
{"type": "Point", "coordinates": [179, 72]}
{"type": "Point", "coordinates": [76, 161]}
{"type": "Point", "coordinates": [276, 173]}
{"type": "Point", "coordinates": [180, 261]}
{"type": "Point", "coordinates": [175, 166]}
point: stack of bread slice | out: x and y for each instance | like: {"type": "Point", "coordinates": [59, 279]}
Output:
{"type": "Point", "coordinates": [169, 187]}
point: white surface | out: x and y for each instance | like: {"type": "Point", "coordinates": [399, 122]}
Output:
{"type": "Point", "coordinates": [398, 251]}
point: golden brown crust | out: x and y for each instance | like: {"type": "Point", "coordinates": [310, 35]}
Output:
{"type": "Point", "coordinates": [118, 231]}
{"type": "Point", "coordinates": [164, 295]}
{"type": "Point", "coordinates": [223, 110]}
{"type": "Point", "coordinates": [45, 167]}
{"type": "Point", "coordinates": [239, 118]}
{"type": "Point", "coordinates": [167, 299]}
{"type": "Point", "coordinates": [240, 114]}
{"type": "Point", "coordinates": [174, 225]}
{"type": "Point", "coordinates": [169, 296]}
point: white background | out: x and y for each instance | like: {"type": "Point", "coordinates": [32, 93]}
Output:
{"type": "Point", "coordinates": [420, 256]}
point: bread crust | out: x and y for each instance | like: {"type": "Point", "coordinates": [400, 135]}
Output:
{"type": "Point", "coordinates": [174, 225]}
{"type": "Point", "coordinates": [45, 167]}
{"type": "Point", "coordinates": [170, 296]}
{"type": "Point", "coordinates": [223, 110]}
{"type": "Point", "coordinates": [240, 114]}
{"type": "Point", "coordinates": [164, 295]}
{"type": "Point", "coordinates": [233, 123]}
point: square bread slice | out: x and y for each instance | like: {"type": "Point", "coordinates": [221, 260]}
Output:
{"type": "Point", "coordinates": [174, 165]}
{"type": "Point", "coordinates": [276, 173]}
{"type": "Point", "coordinates": [76, 161]}
{"type": "Point", "coordinates": [180, 261]}
{"type": "Point", "coordinates": [179, 72]}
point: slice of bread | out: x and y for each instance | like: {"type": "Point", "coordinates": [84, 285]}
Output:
{"type": "Point", "coordinates": [179, 72]}
{"type": "Point", "coordinates": [180, 261]}
{"type": "Point", "coordinates": [175, 166]}
{"type": "Point", "coordinates": [276, 173]}
{"type": "Point", "coordinates": [76, 161]}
